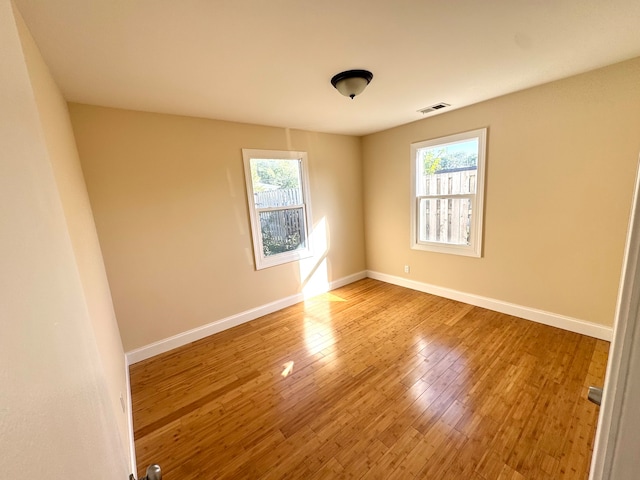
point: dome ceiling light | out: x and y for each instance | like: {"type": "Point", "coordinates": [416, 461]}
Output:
{"type": "Point", "coordinates": [351, 82]}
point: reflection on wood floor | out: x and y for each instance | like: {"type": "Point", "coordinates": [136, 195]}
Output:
{"type": "Point", "coordinates": [372, 381]}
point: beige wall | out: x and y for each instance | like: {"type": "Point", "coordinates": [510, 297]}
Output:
{"type": "Point", "coordinates": [56, 415]}
{"type": "Point", "coordinates": [63, 155]}
{"type": "Point", "coordinates": [561, 163]}
{"type": "Point", "coordinates": [170, 207]}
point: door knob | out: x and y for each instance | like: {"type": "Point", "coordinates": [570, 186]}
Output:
{"type": "Point", "coordinates": [595, 395]}
{"type": "Point", "coordinates": [154, 472]}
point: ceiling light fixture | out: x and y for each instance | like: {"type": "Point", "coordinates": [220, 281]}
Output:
{"type": "Point", "coordinates": [351, 82]}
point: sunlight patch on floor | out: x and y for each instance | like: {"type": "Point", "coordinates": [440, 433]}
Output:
{"type": "Point", "coordinates": [288, 368]}
{"type": "Point", "coordinates": [323, 298]}
{"type": "Point", "coordinates": [318, 335]}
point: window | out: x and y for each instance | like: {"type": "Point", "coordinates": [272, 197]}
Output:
{"type": "Point", "coordinates": [447, 193]}
{"type": "Point", "coordinates": [278, 194]}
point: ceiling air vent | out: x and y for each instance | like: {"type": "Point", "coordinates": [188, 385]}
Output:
{"type": "Point", "coordinates": [433, 108]}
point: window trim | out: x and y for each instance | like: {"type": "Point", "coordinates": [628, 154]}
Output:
{"type": "Point", "coordinates": [477, 218]}
{"type": "Point", "coordinates": [261, 261]}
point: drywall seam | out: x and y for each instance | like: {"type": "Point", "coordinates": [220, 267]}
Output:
{"type": "Point", "coordinates": [540, 316]}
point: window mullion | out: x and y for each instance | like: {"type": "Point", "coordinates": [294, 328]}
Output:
{"type": "Point", "coordinates": [444, 197]}
{"type": "Point", "coordinates": [276, 209]}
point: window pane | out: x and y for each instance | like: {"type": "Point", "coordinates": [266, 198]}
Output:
{"type": "Point", "coordinates": [282, 231]}
{"type": "Point", "coordinates": [447, 169]}
{"type": "Point", "coordinates": [276, 183]}
{"type": "Point", "coordinates": [445, 220]}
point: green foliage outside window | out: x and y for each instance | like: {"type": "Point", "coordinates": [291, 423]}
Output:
{"type": "Point", "coordinates": [278, 173]}
{"type": "Point", "coordinates": [436, 161]}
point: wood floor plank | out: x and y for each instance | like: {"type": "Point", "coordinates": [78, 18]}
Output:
{"type": "Point", "coordinates": [372, 381]}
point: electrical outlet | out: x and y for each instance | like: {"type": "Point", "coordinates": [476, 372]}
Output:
{"type": "Point", "coordinates": [407, 269]}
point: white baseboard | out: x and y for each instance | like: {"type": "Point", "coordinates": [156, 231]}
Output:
{"type": "Point", "coordinates": [547, 318]}
{"type": "Point", "coordinates": [132, 443]}
{"type": "Point", "coordinates": [217, 326]}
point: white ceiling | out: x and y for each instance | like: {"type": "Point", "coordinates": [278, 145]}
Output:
{"type": "Point", "coordinates": [269, 62]}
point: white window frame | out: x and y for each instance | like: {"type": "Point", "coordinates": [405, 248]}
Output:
{"type": "Point", "coordinates": [262, 261]}
{"type": "Point", "coordinates": [474, 249]}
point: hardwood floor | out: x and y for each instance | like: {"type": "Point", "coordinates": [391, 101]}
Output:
{"type": "Point", "coordinates": [372, 381]}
